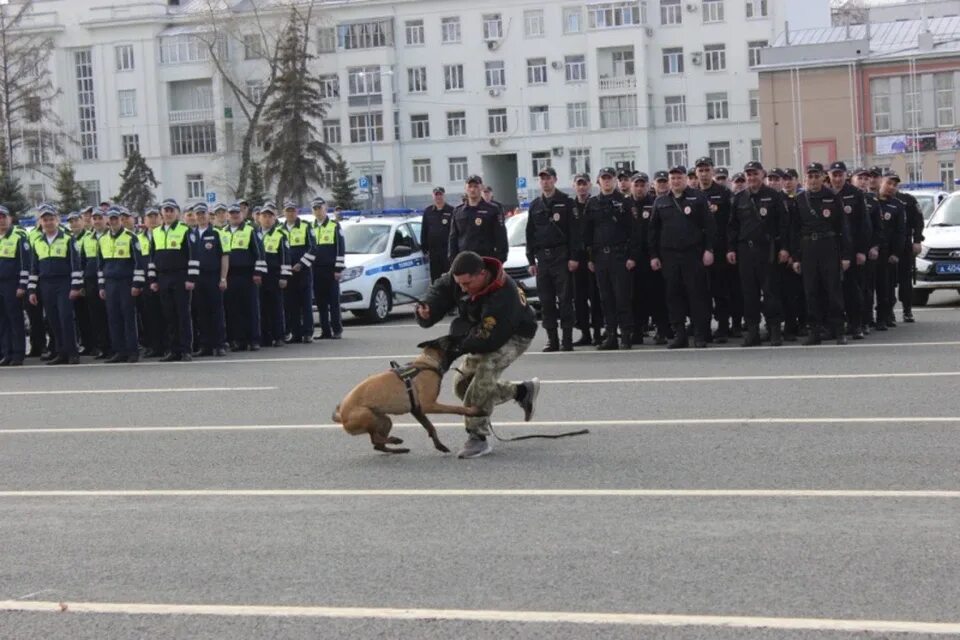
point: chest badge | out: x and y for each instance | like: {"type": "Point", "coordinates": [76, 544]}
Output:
{"type": "Point", "coordinates": [763, 212]}
{"type": "Point", "coordinates": [208, 246]}
{"type": "Point", "coordinates": [713, 208]}
{"type": "Point", "coordinates": [646, 215]}
{"type": "Point", "coordinates": [478, 221]}
{"type": "Point", "coordinates": [556, 217]}
{"type": "Point", "coordinates": [848, 209]}
{"type": "Point", "coordinates": [826, 213]}
{"type": "Point", "coordinates": [887, 216]}
{"type": "Point", "coordinates": [445, 221]}
{"type": "Point", "coordinates": [687, 210]}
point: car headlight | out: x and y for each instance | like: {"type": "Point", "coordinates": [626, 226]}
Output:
{"type": "Point", "coordinates": [924, 250]}
{"type": "Point", "coordinates": [351, 274]}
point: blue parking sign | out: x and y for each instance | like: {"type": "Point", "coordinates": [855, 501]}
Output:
{"type": "Point", "coordinates": [521, 183]}
{"type": "Point", "coordinates": [363, 182]}
{"type": "Point", "coordinates": [211, 197]}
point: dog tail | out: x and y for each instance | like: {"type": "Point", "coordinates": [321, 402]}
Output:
{"type": "Point", "coordinates": [336, 415]}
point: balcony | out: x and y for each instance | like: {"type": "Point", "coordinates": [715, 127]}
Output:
{"type": "Point", "coordinates": [618, 83]}
{"type": "Point", "coordinates": [190, 115]}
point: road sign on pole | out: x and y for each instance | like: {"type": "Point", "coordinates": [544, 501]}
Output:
{"type": "Point", "coordinates": [363, 182]}
{"type": "Point", "coordinates": [211, 197]}
{"type": "Point", "coordinates": [521, 182]}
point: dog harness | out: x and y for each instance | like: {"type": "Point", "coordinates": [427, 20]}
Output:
{"type": "Point", "coordinates": [407, 373]}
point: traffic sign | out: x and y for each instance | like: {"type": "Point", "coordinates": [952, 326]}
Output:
{"type": "Point", "coordinates": [363, 182]}
{"type": "Point", "coordinates": [521, 183]}
{"type": "Point", "coordinates": [211, 197]}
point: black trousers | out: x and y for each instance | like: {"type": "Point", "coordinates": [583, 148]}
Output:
{"type": "Point", "coordinates": [97, 316]}
{"type": "Point", "coordinates": [176, 301]}
{"type": "Point", "coordinates": [153, 330]}
{"type": "Point", "coordinates": [886, 281]}
{"type": "Point", "coordinates": [242, 306]}
{"type": "Point", "coordinates": [794, 302]}
{"type": "Point", "coordinates": [586, 300]}
{"type": "Point", "coordinates": [298, 302]}
{"type": "Point", "coordinates": [687, 292]}
{"type": "Point", "coordinates": [725, 289]}
{"type": "Point", "coordinates": [760, 282]}
{"type": "Point", "coordinates": [271, 310]}
{"type": "Point", "coordinates": [326, 291]}
{"type": "Point", "coordinates": [905, 280]}
{"type": "Point", "coordinates": [55, 296]}
{"type": "Point", "coordinates": [820, 267]}
{"type": "Point", "coordinates": [649, 298]}
{"type": "Point", "coordinates": [616, 289]}
{"type": "Point", "coordinates": [13, 338]}
{"type": "Point", "coordinates": [853, 295]}
{"type": "Point", "coordinates": [122, 315]}
{"type": "Point", "coordinates": [869, 290]}
{"type": "Point", "coordinates": [439, 264]}
{"type": "Point", "coordinates": [555, 289]}
{"type": "Point", "coordinates": [208, 302]}
{"type": "Point", "coordinates": [40, 330]}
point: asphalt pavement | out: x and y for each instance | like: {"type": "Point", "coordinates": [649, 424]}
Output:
{"type": "Point", "coordinates": [790, 493]}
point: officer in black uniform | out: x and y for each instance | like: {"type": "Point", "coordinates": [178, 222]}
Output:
{"type": "Point", "coordinates": [625, 182]}
{"type": "Point", "coordinates": [586, 302]}
{"type": "Point", "coordinates": [653, 289]}
{"type": "Point", "coordinates": [15, 262]}
{"type": "Point", "coordinates": [435, 233]}
{"type": "Point", "coordinates": [855, 211]}
{"type": "Point", "coordinates": [758, 226]}
{"type": "Point", "coordinates": [640, 204]}
{"type": "Point", "coordinates": [606, 234]}
{"type": "Point", "coordinates": [794, 303]}
{"type": "Point", "coordinates": [821, 246]}
{"type": "Point", "coordinates": [893, 246]}
{"type": "Point", "coordinates": [553, 248]}
{"type": "Point", "coordinates": [478, 225]}
{"type": "Point", "coordinates": [862, 180]}
{"type": "Point", "coordinates": [723, 275]}
{"type": "Point", "coordinates": [908, 264]}
{"type": "Point", "coordinates": [682, 238]}
{"type": "Point", "coordinates": [213, 251]}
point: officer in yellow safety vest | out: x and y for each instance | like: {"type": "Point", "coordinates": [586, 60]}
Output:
{"type": "Point", "coordinates": [276, 254]}
{"type": "Point", "coordinates": [122, 276]}
{"type": "Point", "coordinates": [298, 297]}
{"type": "Point", "coordinates": [177, 270]}
{"type": "Point", "coordinates": [247, 267]}
{"type": "Point", "coordinates": [326, 259]}
{"type": "Point", "coordinates": [153, 330]}
{"type": "Point", "coordinates": [15, 259]}
{"type": "Point", "coordinates": [99, 337]}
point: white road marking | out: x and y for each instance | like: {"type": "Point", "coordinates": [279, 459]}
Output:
{"type": "Point", "coordinates": [818, 376]}
{"type": "Point", "coordinates": [495, 615]}
{"type": "Point", "coordinates": [68, 392]}
{"type": "Point", "coordinates": [666, 422]}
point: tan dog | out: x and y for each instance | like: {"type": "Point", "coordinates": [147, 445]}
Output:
{"type": "Point", "coordinates": [367, 407]}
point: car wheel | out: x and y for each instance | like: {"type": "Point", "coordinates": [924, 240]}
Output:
{"type": "Point", "coordinates": [920, 297]}
{"type": "Point", "coordinates": [379, 304]}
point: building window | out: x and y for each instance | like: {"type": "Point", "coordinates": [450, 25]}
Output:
{"type": "Point", "coordinates": [615, 14]}
{"type": "Point", "coordinates": [497, 121]}
{"type": "Point", "coordinates": [366, 35]}
{"type": "Point", "coordinates": [718, 107]}
{"type": "Point", "coordinates": [753, 51]}
{"type": "Point", "coordinates": [91, 192]}
{"type": "Point", "coordinates": [673, 60]}
{"type": "Point", "coordinates": [331, 132]}
{"type": "Point", "coordinates": [911, 103]}
{"type": "Point", "coordinates": [577, 116]}
{"type": "Point", "coordinates": [754, 100]}
{"type": "Point", "coordinates": [36, 153]}
{"type": "Point", "coordinates": [190, 139]}
{"type": "Point", "coordinates": [756, 8]}
{"type": "Point", "coordinates": [36, 193]}
{"type": "Point", "coordinates": [364, 81]}
{"type": "Point", "coordinates": [943, 84]}
{"type": "Point", "coordinates": [329, 86]}
{"type": "Point", "coordinates": [396, 125]}
{"type": "Point", "coordinates": [716, 55]}
{"type": "Point", "coordinates": [623, 65]}
{"type": "Point", "coordinates": [537, 71]}
{"type": "Point", "coordinates": [572, 20]}
{"type": "Point", "coordinates": [124, 56]}
{"type": "Point", "coordinates": [252, 46]}
{"type": "Point", "coordinates": [756, 150]}
{"type": "Point", "coordinates": [83, 65]}
{"type": "Point", "coordinates": [195, 186]}
{"type": "Point", "coordinates": [539, 118]}
{"type": "Point", "coordinates": [618, 112]}
{"type": "Point", "coordinates": [914, 172]}
{"type": "Point", "coordinates": [458, 169]}
{"type": "Point", "coordinates": [366, 127]}
{"type": "Point", "coordinates": [450, 30]}
{"type": "Point", "coordinates": [676, 109]}
{"type": "Point", "coordinates": [417, 79]}
{"type": "Point", "coordinates": [947, 174]}
{"type": "Point", "coordinates": [420, 126]}
{"type": "Point", "coordinates": [128, 103]}
{"type": "Point", "coordinates": [492, 26]}
{"type": "Point", "coordinates": [326, 40]}
{"type": "Point", "coordinates": [677, 154]}
{"type": "Point", "coordinates": [880, 99]}
{"type": "Point", "coordinates": [719, 153]}
{"type": "Point", "coordinates": [495, 74]}
{"type": "Point", "coordinates": [255, 90]}
{"type": "Point", "coordinates": [712, 11]}
{"type": "Point", "coordinates": [422, 173]}
{"type": "Point", "coordinates": [671, 12]}
{"type": "Point", "coordinates": [131, 144]}
{"type": "Point", "coordinates": [186, 48]}
{"type": "Point", "coordinates": [414, 31]}
{"type": "Point", "coordinates": [533, 23]}
{"type": "Point", "coordinates": [579, 161]}
{"type": "Point", "coordinates": [541, 160]}
{"type": "Point", "coordinates": [575, 68]}
{"type": "Point", "coordinates": [456, 124]}
{"type": "Point", "coordinates": [453, 77]}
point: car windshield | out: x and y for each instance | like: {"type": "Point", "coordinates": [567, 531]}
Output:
{"type": "Point", "coordinates": [366, 238]}
{"type": "Point", "coordinates": [927, 204]}
{"type": "Point", "coordinates": [517, 230]}
{"type": "Point", "coordinates": [948, 215]}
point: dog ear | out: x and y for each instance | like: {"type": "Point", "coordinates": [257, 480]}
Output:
{"type": "Point", "coordinates": [430, 343]}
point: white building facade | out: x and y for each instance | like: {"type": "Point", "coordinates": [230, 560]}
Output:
{"type": "Point", "coordinates": [421, 93]}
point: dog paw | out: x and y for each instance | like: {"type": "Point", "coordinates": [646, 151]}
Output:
{"type": "Point", "coordinates": [394, 440]}
{"type": "Point", "coordinates": [442, 448]}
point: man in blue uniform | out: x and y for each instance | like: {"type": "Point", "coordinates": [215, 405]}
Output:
{"type": "Point", "coordinates": [298, 296]}
{"type": "Point", "coordinates": [15, 260]}
{"type": "Point", "coordinates": [212, 248]}
{"type": "Point", "coordinates": [177, 272]}
{"type": "Point", "coordinates": [276, 255]}
{"type": "Point", "coordinates": [99, 344]}
{"type": "Point", "coordinates": [326, 260]}
{"type": "Point", "coordinates": [121, 271]}
{"type": "Point", "coordinates": [247, 268]}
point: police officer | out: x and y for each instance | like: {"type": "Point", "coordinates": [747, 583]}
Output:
{"type": "Point", "coordinates": [821, 246]}
{"type": "Point", "coordinates": [177, 270]}
{"type": "Point", "coordinates": [794, 302]}
{"type": "Point", "coordinates": [487, 194]}
{"type": "Point", "coordinates": [756, 233]}
{"type": "Point", "coordinates": [220, 216]}
{"type": "Point", "coordinates": [625, 182]}
{"type": "Point", "coordinates": [893, 246]}
{"type": "Point", "coordinates": [298, 296]}
{"type": "Point", "coordinates": [276, 255]}
{"type": "Point", "coordinates": [15, 262]}
{"type": "Point", "coordinates": [553, 250]}
{"type": "Point", "coordinates": [212, 249]}
{"type": "Point", "coordinates": [435, 233]}
{"type": "Point", "coordinates": [327, 260]}
{"type": "Point", "coordinates": [606, 234]}
{"type": "Point", "coordinates": [682, 238]}
{"type": "Point", "coordinates": [723, 275]}
{"type": "Point", "coordinates": [855, 211]}
{"type": "Point", "coordinates": [56, 278]}
{"type": "Point", "coordinates": [739, 183]}
{"type": "Point", "coordinates": [645, 302]}
{"type": "Point", "coordinates": [154, 330]}
{"type": "Point", "coordinates": [775, 179]}
{"type": "Point", "coordinates": [862, 180]}
{"type": "Point", "coordinates": [586, 301]}
{"type": "Point", "coordinates": [247, 268]}
{"type": "Point", "coordinates": [478, 225]}
{"type": "Point", "coordinates": [122, 274]}
{"type": "Point", "coordinates": [96, 309]}
{"type": "Point", "coordinates": [40, 330]}
{"type": "Point", "coordinates": [908, 264]}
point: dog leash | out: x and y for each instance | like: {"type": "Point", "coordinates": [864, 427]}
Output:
{"type": "Point", "coordinates": [544, 436]}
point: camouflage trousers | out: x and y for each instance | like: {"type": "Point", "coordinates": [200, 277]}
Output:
{"type": "Point", "coordinates": [477, 382]}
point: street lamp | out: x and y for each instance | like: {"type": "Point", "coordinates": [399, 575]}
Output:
{"type": "Point", "coordinates": [364, 74]}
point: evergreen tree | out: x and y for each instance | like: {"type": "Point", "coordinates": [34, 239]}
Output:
{"type": "Point", "coordinates": [136, 190]}
{"type": "Point", "coordinates": [255, 187]}
{"type": "Point", "coordinates": [343, 188]}
{"type": "Point", "coordinates": [68, 189]}
{"type": "Point", "coordinates": [11, 196]}
{"type": "Point", "coordinates": [297, 152]}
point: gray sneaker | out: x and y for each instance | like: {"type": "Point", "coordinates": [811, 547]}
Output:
{"type": "Point", "coordinates": [474, 447]}
{"type": "Point", "coordinates": [529, 401]}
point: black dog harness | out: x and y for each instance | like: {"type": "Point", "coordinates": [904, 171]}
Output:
{"type": "Point", "coordinates": [407, 373]}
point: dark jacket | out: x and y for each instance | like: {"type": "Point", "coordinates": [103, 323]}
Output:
{"type": "Point", "coordinates": [640, 211]}
{"type": "Point", "coordinates": [719, 202]}
{"type": "Point", "coordinates": [607, 223]}
{"type": "Point", "coordinates": [820, 213]}
{"type": "Point", "coordinates": [435, 229]}
{"type": "Point", "coordinates": [681, 224]}
{"type": "Point", "coordinates": [480, 229]}
{"type": "Point", "coordinates": [552, 224]}
{"type": "Point", "coordinates": [914, 221]}
{"type": "Point", "coordinates": [894, 237]}
{"type": "Point", "coordinates": [855, 210]}
{"type": "Point", "coordinates": [758, 217]}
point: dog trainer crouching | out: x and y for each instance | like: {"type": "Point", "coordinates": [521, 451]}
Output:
{"type": "Point", "coordinates": [496, 325]}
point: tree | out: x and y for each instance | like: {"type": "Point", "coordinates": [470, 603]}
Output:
{"type": "Point", "coordinates": [68, 189]}
{"type": "Point", "coordinates": [297, 152]}
{"type": "Point", "coordinates": [11, 196]}
{"type": "Point", "coordinates": [343, 187]}
{"type": "Point", "coordinates": [255, 190]}
{"type": "Point", "coordinates": [136, 190]}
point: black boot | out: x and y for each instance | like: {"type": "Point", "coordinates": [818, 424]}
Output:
{"type": "Point", "coordinates": [776, 335]}
{"type": "Point", "coordinates": [857, 333]}
{"type": "Point", "coordinates": [553, 341]}
{"type": "Point", "coordinates": [597, 337]}
{"type": "Point", "coordinates": [610, 343]}
{"type": "Point", "coordinates": [752, 339]}
{"type": "Point", "coordinates": [841, 336]}
{"type": "Point", "coordinates": [813, 336]}
{"type": "Point", "coordinates": [566, 343]}
{"type": "Point", "coordinates": [585, 339]}
{"type": "Point", "coordinates": [626, 340]}
{"type": "Point", "coordinates": [679, 338]}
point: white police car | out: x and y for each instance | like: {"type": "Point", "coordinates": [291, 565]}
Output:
{"type": "Point", "coordinates": [384, 265]}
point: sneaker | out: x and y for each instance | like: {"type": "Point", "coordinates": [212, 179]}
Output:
{"type": "Point", "coordinates": [530, 399]}
{"type": "Point", "coordinates": [474, 447]}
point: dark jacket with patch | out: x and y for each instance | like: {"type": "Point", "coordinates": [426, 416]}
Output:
{"type": "Point", "coordinates": [682, 223]}
{"type": "Point", "coordinates": [758, 217]}
{"type": "Point", "coordinates": [480, 229]}
{"type": "Point", "coordinates": [552, 224]}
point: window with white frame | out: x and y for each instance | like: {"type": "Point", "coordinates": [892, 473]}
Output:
{"type": "Point", "coordinates": [675, 109]}
{"type": "Point", "coordinates": [366, 35]}
{"type": "Point", "coordinates": [536, 71]}
{"type": "Point", "coordinates": [615, 14]}
{"type": "Point", "coordinates": [754, 100]}
{"type": "Point", "coordinates": [718, 107]}
{"type": "Point", "coordinates": [417, 79]}
{"type": "Point", "coordinates": [255, 90]}
{"type": "Point", "coordinates": [364, 81]}
{"type": "Point", "coordinates": [575, 68]}
{"type": "Point", "coordinates": [492, 26]}
{"type": "Point", "coordinates": [539, 118]}
{"type": "Point", "coordinates": [91, 192]}
{"type": "Point", "coordinates": [673, 60]}
{"type": "Point", "coordinates": [331, 132]}
{"type": "Point", "coordinates": [912, 107]}
{"type": "Point", "coordinates": [414, 32]}
{"type": "Point", "coordinates": [712, 11]}
{"type": "Point", "coordinates": [86, 101]}
{"type": "Point", "coordinates": [450, 30]}
{"type": "Point", "coordinates": [458, 169]}
{"type": "Point", "coordinates": [326, 40]}
{"type": "Point", "coordinates": [943, 85]}
{"type": "Point", "coordinates": [677, 154]}
{"type": "Point", "coordinates": [540, 160]}
{"type": "Point", "coordinates": [183, 48]}
{"type": "Point", "coordinates": [947, 174]}
{"type": "Point", "coordinates": [716, 56]}
{"type": "Point", "coordinates": [421, 171]}
{"type": "Point", "coordinates": [914, 172]}
{"type": "Point", "coordinates": [128, 103]}
{"type": "Point", "coordinates": [36, 193]}
{"type": "Point", "coordinates": [330, 86]}
{"type": "Point", "coordinates": [497, 121]}
{"type": "Point", "coordinates": [191, 139]}
{"type": "Point", "coordinates": [131, 144]}
{"type": "Point", "coordinates": [618, 112]}
{"type": "Point", "coordinates": [572, 20]}
{"type": "Point", "coordinates": [456, 124]}
{"type": "Point", "coordinates": [36, 152]}
{"type": "Point", "coordinates": [533, 23]}
{"type": "Point", "coordinates": [880, 101]}
{"type": "Point", "coordinates": [453, 77]}
{"type": "Point", "coordinates": [754, 49]}
{"type": "Point", "coordinates": [623, 62]}
{"type": "Point", "coordinates": [579, 161]}
{"type": "Point", "coordinates": [577, 118]}
{"type": "Point", "coordinates": [195, 186]}
{"type": "Point", "coordinates": [719, 152]}
{"type": "Point", "coordinates": [495, 74]}
{"type": "Point", "coordinates": [756, 150]}
{"type": "Point", "coordinates": [756, 8]}
{"type": "Point", "coordinates": [124, 57]}
{"type": "Point", "coordinates": [671, 12]}
{"type": "Point", "coordinates": [252, 46]}
{"type": "Point", "coordinates": [366, 127]}
{"type": "Point", "coordinates": [396, 125]}
{"type": "Point", "coordinates": [420, 126]}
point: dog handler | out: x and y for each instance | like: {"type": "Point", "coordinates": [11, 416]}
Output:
{"type": "Point", "coordinates": [496, 326]}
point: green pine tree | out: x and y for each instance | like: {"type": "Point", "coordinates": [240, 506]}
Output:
{"type": "Point", "coordinates": [69, 191]}
{"type": "Point", "coordinates": [344, 188]}
{"type": "Point", "coordinates": [255, 186]}
{"type": "Point", "coordinates": [11, 196]}
{"type": "Point", "coordinates": [136, 190]}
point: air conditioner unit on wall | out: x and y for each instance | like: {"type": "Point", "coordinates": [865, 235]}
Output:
{"type": "Point", "coordinates": [696, 57]}
{"type": "Point", "coordinates": [556, 64]}
{"type": "Point", "coordinates": [692, 7]}
{"type": "Point", "coordinates": [494, 92]}
{"type": "Point", "coordinates": [495, 142]}
{"type": "Point", "coordinates": [493, 45]}
{"type": "Point", "coordinates": [649, 32]}
{"type": "Point", "coordinates": [557, 152]}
